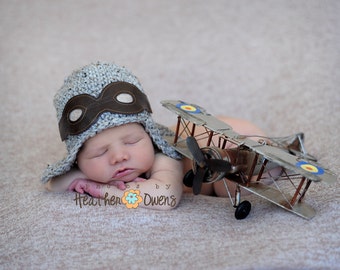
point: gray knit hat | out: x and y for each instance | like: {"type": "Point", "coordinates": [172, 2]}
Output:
{"type": "Point", "coordinates": [97, 97]}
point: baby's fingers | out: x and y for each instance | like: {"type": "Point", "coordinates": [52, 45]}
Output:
{"type": "Point", "coordinates": [77, 185]}
{"type": "Point", "coordinates": [80, 189]}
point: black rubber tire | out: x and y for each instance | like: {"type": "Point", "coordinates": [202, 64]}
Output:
{"type": "Point", "coordinates": [188, 178]}
{"type": "Point", "coordinates": [242, 210]}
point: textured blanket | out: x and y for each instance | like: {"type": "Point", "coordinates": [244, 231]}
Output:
{"type": "Point", "coordinates": [275, 63]}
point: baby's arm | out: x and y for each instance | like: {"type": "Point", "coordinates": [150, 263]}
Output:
{"type": "Point", "coordinates": [122, 185]}
{"type": "Point", "coordinates": [162, 191]}
{"type": "Point", "coordinates": [62, 183]}
{"type": "Point", "coordinates": [93, 188]}
{"type": "Point", "coordinates": [77, 181]}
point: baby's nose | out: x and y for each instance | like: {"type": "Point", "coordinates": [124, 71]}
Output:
{"type": "Point", "coordinates": [118, 156]}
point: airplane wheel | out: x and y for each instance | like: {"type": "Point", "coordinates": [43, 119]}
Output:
{"type": "Point", "coordinates": [188, 178]}
{"type": "Point", "coordinates": [242, 210]}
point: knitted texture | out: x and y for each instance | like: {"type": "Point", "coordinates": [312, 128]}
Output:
{"type": "Point", "coordinates": [91, 80]}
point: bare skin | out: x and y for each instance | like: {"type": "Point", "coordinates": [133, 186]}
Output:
{"type": "Point", "coordinates": [115, 160]}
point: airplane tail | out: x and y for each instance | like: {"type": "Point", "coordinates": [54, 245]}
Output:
{"type": "Point", "coordinates": [295, 145]}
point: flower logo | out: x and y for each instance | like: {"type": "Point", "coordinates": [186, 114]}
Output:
{"type": "Point", "coordinates": [131, 198]}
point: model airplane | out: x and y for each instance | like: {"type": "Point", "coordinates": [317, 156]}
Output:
{"type": "Point", "coordinates": [229, 156]}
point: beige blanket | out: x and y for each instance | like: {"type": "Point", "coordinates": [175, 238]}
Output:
{"type": "Point", "coordinates": [275, 63]}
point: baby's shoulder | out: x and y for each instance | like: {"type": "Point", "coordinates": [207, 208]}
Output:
{"type": "Point", "coordinates": [163, 161]}
{"type": "Point", "coordinates": [161, 157]}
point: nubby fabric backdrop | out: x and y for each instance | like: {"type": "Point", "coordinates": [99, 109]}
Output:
{"type": "Point", "coordinates": [274, 63]}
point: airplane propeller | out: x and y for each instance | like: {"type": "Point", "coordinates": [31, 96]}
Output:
{"type": "Point", "coordinates": [204, 166]}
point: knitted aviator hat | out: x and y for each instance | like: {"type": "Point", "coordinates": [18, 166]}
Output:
{"type": "Point", "coordinates": [97, 97]}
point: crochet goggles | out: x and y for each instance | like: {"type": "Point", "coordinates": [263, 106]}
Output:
{"type": "Point", "coordinates": [82, 111]}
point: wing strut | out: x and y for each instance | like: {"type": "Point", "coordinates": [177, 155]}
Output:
{"type": "Point", "coordinates": [211, 133]}
{"type": "Point", "coordinates": [177, 129]}
{"type": "Point", "coordinates": [293, 200]}
{"type": "Point", "coordinates": [297, 192]}
{"type": "Point", "coordinates": [262, 170]}
{"type": "Point", "coordinates": [305, 190]}
{"type": "Point", "coordinates": [251, 172]}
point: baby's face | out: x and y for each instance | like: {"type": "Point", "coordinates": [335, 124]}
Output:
{"type": "Point", "coordinates": [120, 153]}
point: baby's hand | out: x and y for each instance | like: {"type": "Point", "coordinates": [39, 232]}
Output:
{"type": "Point", "coordinates": [86, 186]}
{"type": "Point", "coordinates": [139, 179]}
{"type": "Point", "coordinates": [119, 184]}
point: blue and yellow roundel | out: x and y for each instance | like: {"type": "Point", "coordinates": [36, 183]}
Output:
{"type": "Point", "coordinates": [188, 108]}
{"type": "Point", "coordinates": [310, 168]}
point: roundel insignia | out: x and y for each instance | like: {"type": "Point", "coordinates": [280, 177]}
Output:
{"type": "Point", "coordinates": [310, 168]}
{"type": "Point", "coordinates": [188, 108]}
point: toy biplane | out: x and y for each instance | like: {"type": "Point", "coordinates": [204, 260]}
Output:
{"type": "Point", "coordinates": [229, 156]}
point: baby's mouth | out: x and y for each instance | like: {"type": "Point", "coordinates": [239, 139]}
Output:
{"type": "Point", "coordinates": [121, 173]}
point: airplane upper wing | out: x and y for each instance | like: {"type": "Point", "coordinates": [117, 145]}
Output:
{"type": "Point", "coordinates": [199, 116]}
{"type": "Point", "coordinates": [190, 112]}
{"type": "Point", "coordinates": [310, 170]}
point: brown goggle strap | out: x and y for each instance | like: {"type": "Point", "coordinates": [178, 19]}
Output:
{"type": "Point", "coordinates": [82, 111]}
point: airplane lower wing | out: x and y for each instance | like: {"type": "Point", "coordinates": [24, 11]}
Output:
{"type": "Point", "coordinates": [277, 197]}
